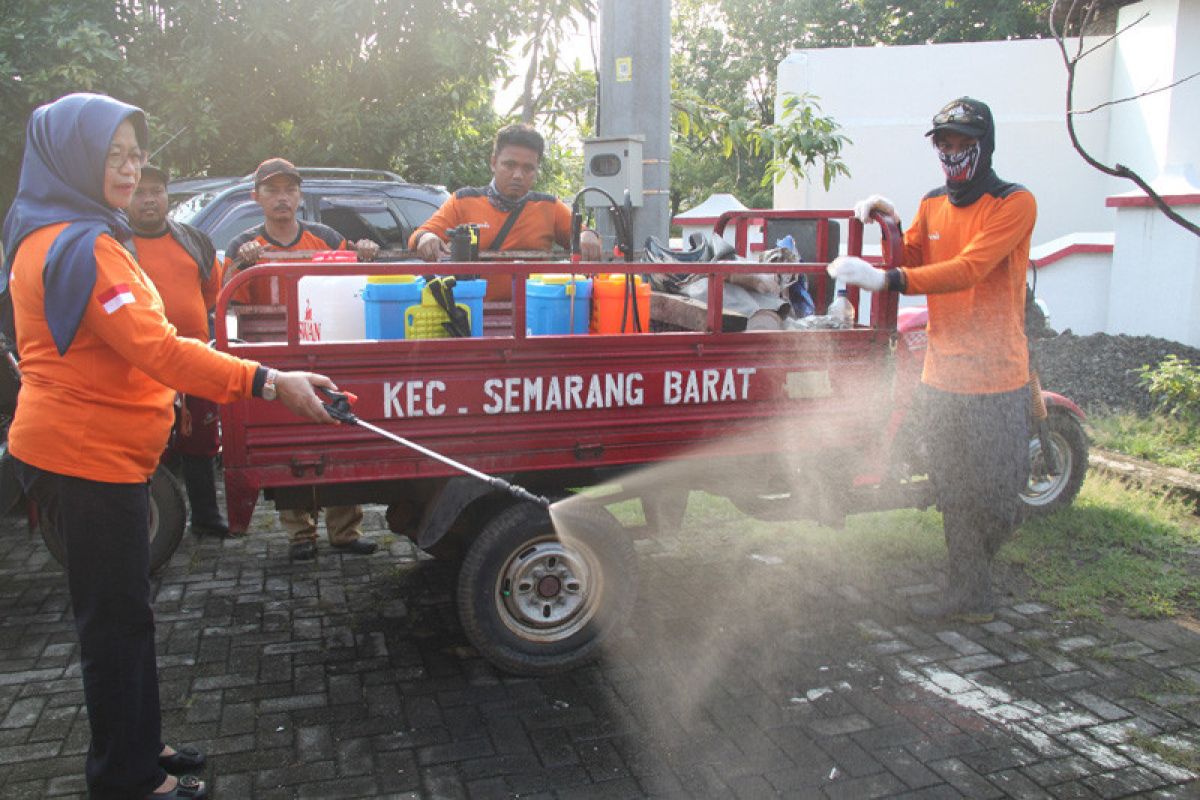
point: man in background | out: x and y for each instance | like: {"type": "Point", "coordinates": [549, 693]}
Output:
{"type": "Point", "coordinates": [183, 264]}
{"type": "Point", "coordinates": [277, 191]}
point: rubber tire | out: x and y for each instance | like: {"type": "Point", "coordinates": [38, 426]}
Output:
{"type": "Point", "coordinates": [493, 629]}
{"type": "Point", "coordinates": [1070, 441]}
{"type": "Point", "coordinates": [168, 519]}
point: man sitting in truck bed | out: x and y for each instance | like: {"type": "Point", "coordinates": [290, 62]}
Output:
{"type": "Point", "coordinates": [277, 190]}
{"type": "Point", "coordinates": [510, 216]}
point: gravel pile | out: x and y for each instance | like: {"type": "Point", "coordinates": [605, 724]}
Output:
{"type": "Point", "coordinates": [1100, 371]}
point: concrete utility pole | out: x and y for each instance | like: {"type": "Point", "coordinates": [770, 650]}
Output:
{"type": "Point", "coordinates": [635, 100]}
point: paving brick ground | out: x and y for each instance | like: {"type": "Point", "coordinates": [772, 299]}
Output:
{"type": "Point", "coordinates": [743, 674]}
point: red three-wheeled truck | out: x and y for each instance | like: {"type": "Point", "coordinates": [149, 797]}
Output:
{"type": "Point", "coordinates": [788, 424]}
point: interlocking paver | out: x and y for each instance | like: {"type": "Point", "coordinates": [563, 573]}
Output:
{"type": "Point", "coordinates": [350, 677]}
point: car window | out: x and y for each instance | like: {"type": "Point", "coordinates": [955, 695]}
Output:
{"type": "Point", "coordinates": [364, 218]}
{"type": "Point", "coordinates": [184, 206]}
{"type": "Point", "coordinates": [415, 212]}
{"type": "Point", "coordinates": [241, 217]}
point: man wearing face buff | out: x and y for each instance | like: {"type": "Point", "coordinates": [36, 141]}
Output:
{"type": "Point", "coordinates": [968, 250]}
{"type": "Point", "coordinates": [100, 367]}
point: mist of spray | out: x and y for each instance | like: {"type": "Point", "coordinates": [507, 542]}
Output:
{"type": "Point", "coordinates": [726, 613]}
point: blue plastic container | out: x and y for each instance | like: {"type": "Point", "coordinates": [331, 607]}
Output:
{"type": "Point", "coordinates": [386, 302]}
{"type": "Point", "coordinates": [470, 293]}
{"type": "Point", "coordinates": [556, 305]}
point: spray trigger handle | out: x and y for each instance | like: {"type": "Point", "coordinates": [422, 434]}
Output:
{"type": "Point", "coordinates": [339, 404]}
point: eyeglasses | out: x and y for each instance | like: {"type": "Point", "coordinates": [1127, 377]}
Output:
{"type": "Point", "coordinates": [119, 158]}
{"type": "Point", "coordinates": [959, 114]}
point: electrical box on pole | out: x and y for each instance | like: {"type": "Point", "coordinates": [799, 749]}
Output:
{"type": "Point", "coordinates": [614, 164]}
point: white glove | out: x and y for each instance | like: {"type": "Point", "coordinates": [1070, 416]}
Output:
{"type": "Point", "coordinates": [849, 269]}
{"type": "Point", "coordinates": [876, 202]}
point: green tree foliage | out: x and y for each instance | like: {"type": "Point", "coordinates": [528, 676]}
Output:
{"type": "Point", "coordinates": [407, 84]}
{"type": "Point", "coordinates": [550, 93]}
{"type": "Point", "coordinates": [47, 50]}
{"type": "Point", "coordinates": [395, 84]}
{"type": "Point", "coordinates": [726, 52]}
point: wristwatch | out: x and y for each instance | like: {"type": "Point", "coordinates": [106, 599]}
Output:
{"type": "Point", "coordinates": [268, 388]}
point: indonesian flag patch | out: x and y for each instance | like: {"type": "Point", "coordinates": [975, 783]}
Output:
{"type": "Point", "coordinates": [116, 297]}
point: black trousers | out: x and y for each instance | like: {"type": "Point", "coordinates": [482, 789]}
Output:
{"type": "Point", "coordinates": [200, 480]}
{"type": "Point", "coordinates": [979, 462]}
{"type": "Point", "coordinates": [105, 529]}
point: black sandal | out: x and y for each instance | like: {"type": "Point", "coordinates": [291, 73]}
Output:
{"type": "Point", "coordinates": [189, 788]}
{"type": "Point", "coordinates": [184, 759]}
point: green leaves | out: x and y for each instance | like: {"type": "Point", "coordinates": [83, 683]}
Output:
{"type": "Point", "coordinates": [725, 57]}
{"type": "Point", "coordinates": [1175, 383]}
{"type": "Point", "coordinates": [370, 83]}
{"type": "Point", "coordinates": [801, 139]}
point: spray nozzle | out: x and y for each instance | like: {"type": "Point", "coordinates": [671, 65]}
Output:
{"type": "Point", "coordinates": [339, 404]}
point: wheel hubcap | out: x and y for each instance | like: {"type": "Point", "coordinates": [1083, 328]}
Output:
{"type": "Point", "coordinates": [547, 590]}
{"type": "Point", "coordinates": [1044, 485]}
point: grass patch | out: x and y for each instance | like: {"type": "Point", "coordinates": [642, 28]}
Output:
{"type": "Point", "coordinates": [1178, 756]}
{"type": "Point", "coordinates": [1164, 439]}
{"type": "Point", "coordinates": [868, 545]}
{"type": "Point", "coordinates": [1116, 549]}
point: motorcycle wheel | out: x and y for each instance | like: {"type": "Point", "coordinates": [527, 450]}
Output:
{"type": "Point", "coordinates": [1047, 492]}
{"type": "Point", "coordinates": [536, 603]}
{"type": "Point", "coordinates": [168, 518]}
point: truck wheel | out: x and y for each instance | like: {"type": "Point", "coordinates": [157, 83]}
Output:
{"type": "Point", "coordinates": [168, 518]}
{"type": "Point", "coordinates": [1048, 492]}
{"type": "Point", "coordinates": [535, 603]}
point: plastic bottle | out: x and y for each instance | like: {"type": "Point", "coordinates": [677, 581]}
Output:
{"type": "Point", "coordinates": [842, 310]}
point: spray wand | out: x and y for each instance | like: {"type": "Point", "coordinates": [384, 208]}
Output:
{"type": "Point", "coordinates": [339, 408]}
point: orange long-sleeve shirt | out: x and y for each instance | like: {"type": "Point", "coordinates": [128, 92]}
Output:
{"type": "Point", "coordinates": [103, 411]}
{"type": "Point", "coordinates": [187, 297]}
{"type": "Point", "coordinates": [544, 222]}
{"type": "Point", "coordinates": [971, 263]}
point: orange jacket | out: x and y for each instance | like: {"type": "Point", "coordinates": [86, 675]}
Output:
{"type": "Point", "coordinates": [544, 222]}
{"type": "Point", "coordinates": [186, 295]}
{"type": "Point", "coordinates": [312, 236]}
{"type": "Point", "coordinates": [971, 262]}
{"type": "Point", "coordinates": [104, 410]}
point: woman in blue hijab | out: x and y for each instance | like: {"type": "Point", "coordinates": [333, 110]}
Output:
{"type": "Point", "coordinates": [100, 366]}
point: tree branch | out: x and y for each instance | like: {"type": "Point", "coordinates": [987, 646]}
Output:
{"type": "Point", "coordinates": [1091, 50]}
{"type": "Point", "coordinates": [1121, 171]}
{"type": "Point", "coordinates": [1146, 93]}
{"type": "Point", "coordinates": [1118, 170]}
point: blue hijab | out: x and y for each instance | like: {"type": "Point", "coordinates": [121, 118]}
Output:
{"type": "Point", "coordinates": [62, 180]}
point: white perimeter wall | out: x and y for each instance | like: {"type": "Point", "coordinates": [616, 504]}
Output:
{"type": "Point", "coordinates": [1075, 280]}
{"type": "Point", "coordinates": [884, 97]}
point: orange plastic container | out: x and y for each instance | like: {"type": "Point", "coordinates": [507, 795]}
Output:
{"type": "Point", "coordinates": [609, 305]}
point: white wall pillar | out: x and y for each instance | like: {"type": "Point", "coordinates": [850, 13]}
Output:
{"type": "Point", "coordinates": [1156, 135]}
{"type": "Point", "coordinates": [1155, 288]}
{"type": "Point", "coordinates": [1155, 285]}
